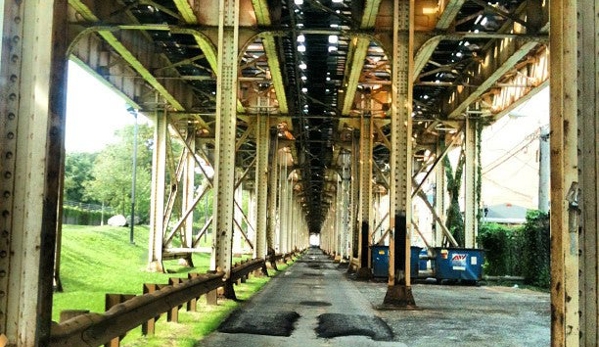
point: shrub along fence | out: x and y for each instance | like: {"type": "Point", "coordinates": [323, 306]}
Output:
{"type": "Point", "coordinates": [518, 251]}
{"type": "Point", "coordinates": [84, 214]}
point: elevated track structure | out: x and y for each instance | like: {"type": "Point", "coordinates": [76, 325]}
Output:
{"type": "Point", "coordinates": [314, 107]}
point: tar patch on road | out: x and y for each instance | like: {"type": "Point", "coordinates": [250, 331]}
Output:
{"type": "Point", "coordinates": [275, 324]}
{"type": "Point", "coordinates": [315, 303]}
{"type": "Point", "coordinates": [336, 324]}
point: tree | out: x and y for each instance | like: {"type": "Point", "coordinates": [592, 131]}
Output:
{"type": "Point", "coordinates": [77, 172]}
{"type": "Point", "coordinates": [455, 221]}
{"type": "Point", "coordinates": [113, 171]}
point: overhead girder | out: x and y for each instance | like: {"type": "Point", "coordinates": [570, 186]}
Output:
{"type": "Point", "coordinates": [268, 33]}
{"type": "Point", "coordinates": [132, 47]}
{"type": "Point", "coordinates": [494, 65]}
{"type": "Point", "coordinates": [263, 18]}
{"type": "Point", "coordinates": [357, 53]}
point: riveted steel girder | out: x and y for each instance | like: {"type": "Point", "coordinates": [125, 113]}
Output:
{"type": "Point", "coordinates": [131, 45]}
{"type": "Point", "coordinates": [399, 291]}
{"type": "Point", "coordinates": [365, 190]}
{"type": "Point", "coordinates": [495, 64]}
{"type": "Point", "coordinates": [262, 169]}
{"type": "Point", "coordinates": [357, 53]}
{"type": "Point", "coordinates": [588, 158]}
{"type": "Point", "coordinates": [33, 105]}
{"type": "Point", "coordinates": [226, 107]}
{"type": "Point", "coordinates": [157, 192]}
{"type": "Point", "coordinates": [263, 18]}
{"type": "Point", "coordinates": [470, 182]}
{"type": "Point", "coordinates": [565, 189]}
{"type": "Point", "coordinates": [448, 13]}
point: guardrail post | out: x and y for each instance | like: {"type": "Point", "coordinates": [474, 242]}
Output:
{"type": "Point", "coordinates": [149, 327]}
{"type": "Point", "coordinates": [212, 297]}
{"type": "Point", "coordinates": [112, 300]}
{"type": "Point", "coordinates": [173, 314]}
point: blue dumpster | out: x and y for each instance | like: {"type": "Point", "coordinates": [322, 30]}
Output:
{"type": "Point", "coordinates": [414, 260]}
{"type": "Point", "coordinates": [380, 261]}
{"type": "Point", "coordinates": [458, 264]}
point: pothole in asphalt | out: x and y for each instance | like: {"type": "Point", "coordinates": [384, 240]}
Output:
{"type": "Point", "coordinates": [315, 303]}
{"type": "Point", "coordinates": [275, 324]}
{"type": "Point", "coordinates": [336, 324]}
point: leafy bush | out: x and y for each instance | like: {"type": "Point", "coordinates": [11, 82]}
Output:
{"type": "Point", "coordinates": [81, 216]}
{"type": "Point", "coordinates": [536, 249]}
{"type": "Point", "coordinates": [503, 249]}
{"type": "Point", "coordinates": [519, 251]}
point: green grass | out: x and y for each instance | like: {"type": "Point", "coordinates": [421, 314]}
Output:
{"type": "Point", "coordinates": [98, 260]}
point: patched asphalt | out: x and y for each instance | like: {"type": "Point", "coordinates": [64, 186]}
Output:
{"type": "Point", "coordinates": [337, 324]}
{"type": "Point", "coordinates": [275, 324]}
{"type": "Point", "coordinates": [315, 303]}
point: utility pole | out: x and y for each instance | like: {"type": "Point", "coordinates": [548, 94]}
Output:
{"type": "Point", "coordinates": [544, 169]}
{"type": "Point", "coordinates": [134, 177]}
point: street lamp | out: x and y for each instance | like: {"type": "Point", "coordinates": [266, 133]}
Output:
{"type": "Point", "coordinates": [134, 178]}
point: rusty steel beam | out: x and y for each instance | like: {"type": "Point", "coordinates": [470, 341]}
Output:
{"type": "Point", "coordinates": [268, 42]}
{"type": "Point", "coordinates": [565, 166]}
{"type": "Point", "coordinates": [33, 107]}
{"type": "Point", "coordinates": [357, 54]}
{"type": "Point", "coordinates": [487, 73]}
{"type": "Point", "coordinates": [131, 47]}
{"type": "Point", "coordinates": [533, 76]}
{"type": "Point", "coordinates": [448, 13]}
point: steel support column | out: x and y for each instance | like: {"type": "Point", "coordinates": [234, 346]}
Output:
{"type": "Point", "coordinates": [470, 183]}
{"type": "Point", "coordinates": [283, 211]}
{"type": "Point", "coordinates": [32, 103]}
{"type": "Point", "coordinates": [589, 164]}
{"type": "Point", "coordinates": [355, 196]}
{"type": "Point", "coordinates": [440, 189]}
{"type": "Point", "coordinates": [271, 234]}
{"type": "Point", "coordinates": [365, 221]}
{"type": "Point", "coordinates": [399, 292]}
{"type": "Point", "coordinates": [586, 69]}
{"type": "Point", "coordinates": [346, 211]}
{"type": "Point", "coordinates": [339, 220]}
{"type": "Point", "coordinates": [262, 145]}
{"type": "Point", "coordinates": [189, 190]}
{"type": "Point", "coordinates": [226, 116]}
{"type": "Point", "coordinates": [565, 291]}
{"type": "Point", "coordinates": [290, 225]}
{"type": "Point", "coordinates": [155, 248]}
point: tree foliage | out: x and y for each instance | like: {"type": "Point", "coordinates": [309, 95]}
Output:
{"type": "Point", "coordinates": [519, 251]}
{"type": "Point", "coordinates": [78, 171]}
{"type": "Point", "coordinates": [455, 221]}
{"type": "Point", "coordinates": [113, 172]}
{"type": "Point", "coordinates": [503, 249]}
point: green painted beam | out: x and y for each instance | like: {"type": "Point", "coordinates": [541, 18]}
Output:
{"type": "Point", "coordinates": [460, 106]}
{"type": "Point", "coordinates": [357, 54]}
{"type": "Point", "coordinates": [268, 42]}
{"type": "Point", "coordinates": [186, 11]}
{"type": "Point", "coordinates": [355, 65]}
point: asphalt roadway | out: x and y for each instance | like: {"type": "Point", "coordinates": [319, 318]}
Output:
{"type": "Point", "coordinates": [315, 303]}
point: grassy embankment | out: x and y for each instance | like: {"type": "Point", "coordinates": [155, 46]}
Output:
{"type": "Point", "coordinates": [100, 260]}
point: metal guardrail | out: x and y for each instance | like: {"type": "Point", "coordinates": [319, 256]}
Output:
{"type": "Point", "coordinates": [95, 329]}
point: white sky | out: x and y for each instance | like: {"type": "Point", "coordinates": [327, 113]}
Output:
{"type": "Point", "coordinates": [94, 113]}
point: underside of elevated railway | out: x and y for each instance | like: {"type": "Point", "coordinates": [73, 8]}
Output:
{"type": "Point", "coordinates": [315, 107]}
